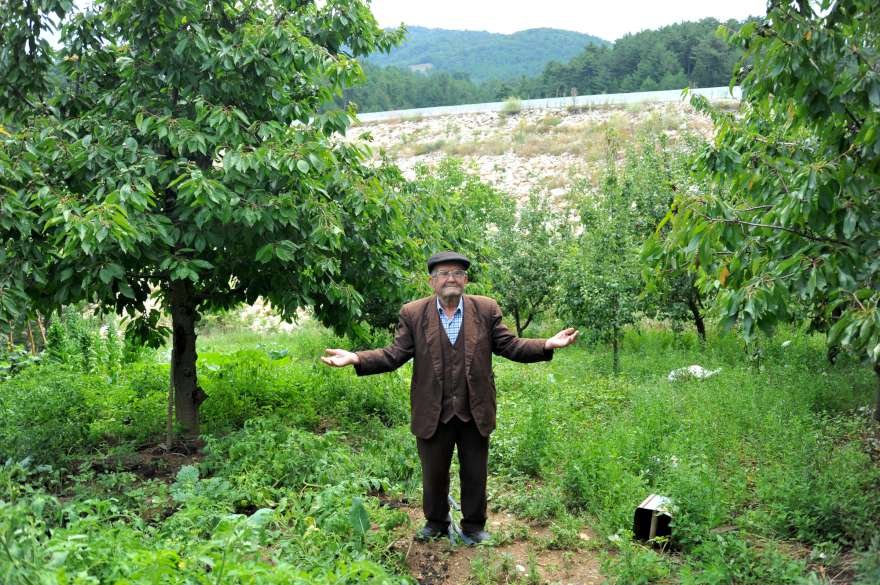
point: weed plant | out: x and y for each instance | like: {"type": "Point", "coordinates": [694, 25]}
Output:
{"type": "Point", "coordinates": [755, 457]}
{"type": "Point", "coordinates": [87, 343]}
{"type": "Point", "coordinates": [766, 463]}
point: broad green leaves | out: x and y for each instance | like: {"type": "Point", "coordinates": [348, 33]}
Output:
{"type": "Point", "coordinates": [359, 518]}
{"type": "Point", "coordinates": [187, 142]}
{"type": "Point", "coordinates": [190, 145]}
{"type": "Point", "coordinates": [789, 216]}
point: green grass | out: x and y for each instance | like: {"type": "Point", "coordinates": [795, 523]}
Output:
{"type": "Point", "coordinates": [753, 458]}
{"type": "Point", "coordinates": [768, 464]}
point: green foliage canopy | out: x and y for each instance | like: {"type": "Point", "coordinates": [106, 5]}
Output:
{"type": "Point", "coordinates": [601, 281]}
{"type": "Point", "coordinates": [157, 159]}
{"type": "Point", "coordinates": [525, 271]}
{"type": "Point", "coordinates": [791, 214]}
{"type": "Point", "coordinates": [181, 147]}
{"type": "Point", "coordinates": [656, 172]}
{"type": "Point", "coordinates": [671, 57]}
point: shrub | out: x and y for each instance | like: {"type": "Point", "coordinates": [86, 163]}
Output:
{"type": "Point", "coordinates": [45, 414]}
{"type": "Point", "coordinates": [247, 385]}
{"type": "Point", "coordinates": [635, 565]}
{"type": "Point", "coordinates": [352, 402]}
{"type": "Point", "coordinates": [511, 106]}
{"type": "Point", "coordinates": [133, 406]}
{"type": "Point", "coordinates": [826, 496]}
{"type": "Point", "coordinates": [87, 343]}
{"type": "Point", "coordinates": [728, 558]}
{"type": "Point", "coordinates": [266, 458]}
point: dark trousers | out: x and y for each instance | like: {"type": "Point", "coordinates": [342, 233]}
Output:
{"type": "Point", "coordinates": [473, 458]}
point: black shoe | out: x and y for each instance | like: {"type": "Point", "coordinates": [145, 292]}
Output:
{"type": "Point", "coordinates": [476, 537]}
{"type": "Point", "coordinates": [426, 533]}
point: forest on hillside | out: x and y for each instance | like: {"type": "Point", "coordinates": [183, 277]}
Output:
{"type": "Point", "coordinates": [483, 56]}
{"type": "Point", "coordinates": [688, 54]}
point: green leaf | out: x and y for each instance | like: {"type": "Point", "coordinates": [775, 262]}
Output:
{"type": "Point", "coordinates": [302, 166]}
{"type": "Point", "coordinates": [241, 116]}
{"type": "Point", "coordinates": [125, 289]}
{"type": "Point", "coordinates": [874, 94]}
{"type": "Point", "coordinates": [849, 223]}
{"type": "Point", "coordinates": [203, 264]}
{"type": "Point", "coordinates": [359, 518]}
{"type": "Point", "coordinates": [109, 272]}
{"type": "Point", "coordinates": [316, 162]}
{"type": "Point", "coordinates": [261, 517]}
{"type": "Point", "coordinates": [265, 254]}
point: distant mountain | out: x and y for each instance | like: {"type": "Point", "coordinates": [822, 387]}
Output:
{"type": "Point", "coordinates": [483, 55]}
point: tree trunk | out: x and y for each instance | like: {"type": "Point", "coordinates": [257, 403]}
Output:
{"type": "Point", "coordinates": [694, 305]}
{"type": "Point", "coordinates": [10, 341]}
{"type": "Point", "coordinates": [526, 324]}
{"type": "Point", "coordinates": [615, 348]}
{"type": "Point", "coordinates": [30, 336]}
{"type": "Point", "coordinates": [169, 419]}
{"type": "Point", "coordinates": [42, 327]}
{"type": "Point", "coordinates": [187, 393]}
{"type": "Point", "coordinates": [833, 350]}
{"type": "Point", "coordinates": [877, 405]}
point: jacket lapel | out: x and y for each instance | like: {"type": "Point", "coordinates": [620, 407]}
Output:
{"type": "Point", "coordinates": [433, 329]}
{"type": "Point", "coordinates": [471, 333]}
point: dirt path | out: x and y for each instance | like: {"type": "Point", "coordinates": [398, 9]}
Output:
{"type": "Point", "coordinates": [520, 553]}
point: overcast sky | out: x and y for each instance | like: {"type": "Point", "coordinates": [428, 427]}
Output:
{"type": "Point", "coordinates": [607, 19]}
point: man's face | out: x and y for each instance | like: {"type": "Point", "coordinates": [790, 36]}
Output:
{"type": "Point", "coordinates": [445, 282]}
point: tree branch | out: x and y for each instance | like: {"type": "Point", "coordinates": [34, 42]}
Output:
{"type": "Point", "coordinates": [804, 235]}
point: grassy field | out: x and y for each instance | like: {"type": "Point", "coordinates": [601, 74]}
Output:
{"type": "Point", "coordinates": [772, 466]}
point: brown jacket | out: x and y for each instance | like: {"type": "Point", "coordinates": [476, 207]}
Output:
{"type": "Point", "coordinates": [419, 335]}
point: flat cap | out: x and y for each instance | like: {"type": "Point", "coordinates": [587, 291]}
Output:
{"type": "Point", "coordinates": [447, 256]}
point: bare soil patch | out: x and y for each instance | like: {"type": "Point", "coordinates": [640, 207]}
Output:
{"type": "Point", "coordinates": [519, 553]}
{"type": "Point", "coordinates": [151, 462]}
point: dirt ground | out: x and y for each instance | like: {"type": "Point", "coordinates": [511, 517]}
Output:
{"type": "Point", "coordinates": [519, 553]}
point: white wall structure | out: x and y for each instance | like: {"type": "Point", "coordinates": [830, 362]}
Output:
{"type": "Point", "coordinates": [605, 99]}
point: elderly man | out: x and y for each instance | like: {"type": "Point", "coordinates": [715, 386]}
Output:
{"type": "Point", "coordinates": [451, 338]}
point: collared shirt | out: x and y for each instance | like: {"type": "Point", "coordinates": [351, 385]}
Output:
{"type": "Point", "coordinates": [451, 326]}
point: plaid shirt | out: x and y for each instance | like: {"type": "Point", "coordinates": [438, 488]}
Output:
{"type": "Point", "coordinates": [451, 326]}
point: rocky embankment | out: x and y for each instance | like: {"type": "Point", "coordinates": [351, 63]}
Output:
{"type": "Point", "coordinates": [531, 149]}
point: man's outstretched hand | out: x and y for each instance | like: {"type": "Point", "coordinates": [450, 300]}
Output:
{"type": "Point", "coordinates": [339, 358]}
{"type": "Point", "coordinates": [562, 339]}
